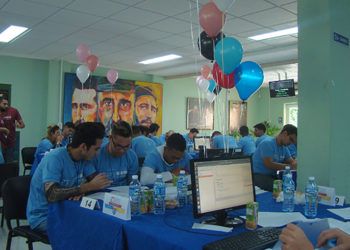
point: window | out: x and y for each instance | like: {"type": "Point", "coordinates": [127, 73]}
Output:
{"type": "Point", "coordinates": [291, 113]}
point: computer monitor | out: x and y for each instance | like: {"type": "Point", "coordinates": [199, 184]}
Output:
{"type": "Point", "coordinates": [201, 141]}
{"type": "Point", "coordinates": [220, 185]}
{"type": "Point", "coordinates": [219, 153]}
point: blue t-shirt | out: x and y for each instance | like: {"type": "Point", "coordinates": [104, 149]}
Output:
{"type": "Point", "coordinates": [156, 140]}
{"type": "Point", "coordinates": [57, 167]}
{"type": "Point", "coordinates": [247, 144]}
{"type": "Point", "coordinates": [189, 143]}
{"type": "Point", "coordinates": [269, 148]}
{"type": "Point", "coordinates": [162, 138]}
{"type": "Point", "coordinates": [44, 146]}
{"type": "Point", "coordinates": [156, 161]}
{"type": "Point", "coordinates": [262, 138]}
{"type": "Point", "coordinates": [142, 145]}
{"type": "Point", "coordinates": [118, 169]}
{"type": "Point", "coordinates": [293, 150]}
{"type": "Point", "coordinates": [220, 141]}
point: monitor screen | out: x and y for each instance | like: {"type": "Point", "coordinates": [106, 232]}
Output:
{"type": "Point", "coordinates": [201, 141]}
{"type": "Point", "coordinates": [219, 185]}
{"type": "Point", "coordinates": [282, 88]}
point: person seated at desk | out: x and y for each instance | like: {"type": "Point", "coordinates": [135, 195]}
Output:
{"type": "Point", "coordinates": [222, 141]}
{"type": "Point", "coordinates": [67, 133]}
{"type": "Point", "coordinates": [141, 144]}
{"type": "Point", "coordinates": [165, 136]}
{"type": "Point", "coordinates": [293, 237]}
{"type": "Point", "coordinates": [52, 138]}
{"type": "Point", "coordinates": [189, 137]}
{"type": "Point", "coordinates": [259, 132]}
{"type": "Point", "coordinates": [167, 160]}
{"type": "Point", "coordinates": [246, 142]}
{"type": "Point", "coordinates": [153, 129]}
{"type": "Point", "coordinates": [272, 155]}
{"type": "Point", "coordinates": [115, 159]}
{"type": "Point", "coordinates": [293, 150]}
{"type": "Point", "coordinates": [64, 172]}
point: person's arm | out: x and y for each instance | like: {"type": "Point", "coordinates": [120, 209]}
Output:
{"type": "Point", "coordinates": [293, 237]}
{"type": "Point", "coordinates": [54, 192]}
{"type": "Point", "coordinates": [273, 165]}
{"type": "Point", "coordinates": [342, 238]}
{"type": "Point", "coordinates": [149, 177]}
{"type": "Point", "coordinates": [292, 163]}
{"type": "Point", "coordinates": [20, 124]}
{"type": "Point", "coordinates": [4, 130]}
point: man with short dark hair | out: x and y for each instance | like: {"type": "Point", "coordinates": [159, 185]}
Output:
{"type": "Point", "coordinates": [142, 145]}
{"type": "Point", "coordinates": [10, 119]}
{"type": "Point", "coordinates": [272, 155]}
{"type": "Point", "coordinates": [66, 173]}
{"type": "Point", "coordinates": [115, 159]}
{"type": "Point", "coordinates": [246, 142]}
{"type": "Point", "coordinates": [221, 141]}
{"type": "Point", "coordinates": [189, 137]}
{"type": "Point", "coordinates": [166, 160]}
{"type": "Point", "coordinates": [259, 132]}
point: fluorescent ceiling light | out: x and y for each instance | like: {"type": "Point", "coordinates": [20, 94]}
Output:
{"type": "Point", "coordinates": [11, 33]}
{"type": "Point", "coordinates": [275, 34]}
{"type": "Point", "coordinates": [161, 59]}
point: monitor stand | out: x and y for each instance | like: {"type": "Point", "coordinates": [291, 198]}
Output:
{"type": "Point", "coordinates": [222, 219]}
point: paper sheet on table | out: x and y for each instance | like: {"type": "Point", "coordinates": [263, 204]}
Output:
{"type": "Point", "coordinates": [274, 219]}
{"type": "Point", "coordinates": [259, 190]}
{"type": "Point", "coordinates": [342, 212]}
{"type": "Point", "coordinates": [345, 226]}
{"type": "Point", "coordinates": [97, 196]}
{"type": "Point", "coordinates": [211, 227]}
{"type": "Point", "coordinates": [121, 190]}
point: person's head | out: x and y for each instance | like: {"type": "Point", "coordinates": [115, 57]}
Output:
{"type": "Point", "coordinates": [87, 139]}
{"type": "Point", "coordinates": [84, 105]}
{"type": "Point", "coordinates": [243, 131]}
{"type": "Point", "coordinates": [145, 106]}
{"type": "Point", "coordinates": [53, 132]}
{"type": "Point", "coordinates": [136, 131]}
{"type": "Point", "coordinates": [174, 148]}
{"type": "Point", "coordinates": [193, 133]}
{"type": "Point", "coordinates": [68, 129]}
{"type": "Point", "coordinates": [153, 129]}
{"type": "Point", "coordinates": [4, 103]}
{"type": "Point", "coordinates": [106, 109]}
{"type": "Point", "coordinates": [259, 129]}
{"type": "Point", "coordinates": [168, 134]}
{"type": "Point", "coordinates": [215, 133]}
{"type": "Point", "coordinates": [120, 139]}
{"type": "Point", "coordinates": [144, 130]}
{"type": "Point", "coordinates": [288, 135]}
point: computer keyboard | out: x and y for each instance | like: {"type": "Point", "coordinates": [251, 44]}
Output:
{"type": "Point", "coordinates": [261, 238]}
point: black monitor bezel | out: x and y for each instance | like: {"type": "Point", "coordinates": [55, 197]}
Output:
{"type": "Point", "coordinates": [194, 190]}
{"type": "Point", "coordinates": [194, 141]}
{"type": "Point", "coordinates": [274, 93]}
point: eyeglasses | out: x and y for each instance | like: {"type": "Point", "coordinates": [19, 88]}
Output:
{"type": "Point", "coordinates": [118, 146]}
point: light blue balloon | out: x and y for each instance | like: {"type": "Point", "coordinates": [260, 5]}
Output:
{"type": "Point", "coordinates": [228, 54]}
{"type": "Point", "coordinates": [212, 85]}
{"type": "Point", "coordinates": [248, 78]}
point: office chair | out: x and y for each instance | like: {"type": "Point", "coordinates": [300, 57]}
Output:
{"type": "Point", "coordinates": [27, 158]}
{"type": "Point", "coordinates": [7, 170]}
{"type": "Point", "coordinates": [15, 192]}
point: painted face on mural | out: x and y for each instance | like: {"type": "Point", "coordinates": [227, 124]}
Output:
{"type": "Point", "coordinates": [84, 106]}
{"type": "Point", "coordinates": [124, 110]}
{"type": "Point", "coordinates": [146, 110]}
{"type": "Point", "coordinates": [106, 110]}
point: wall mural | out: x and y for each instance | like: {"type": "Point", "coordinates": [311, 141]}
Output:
{"type": "Point", "coordinates": [136, 102]}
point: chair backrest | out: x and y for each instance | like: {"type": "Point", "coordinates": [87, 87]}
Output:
{"type": "Point", "coordinates": [15, 192]}
{"type": "Point", "coordinates": [28, 155]}
{"type": "Point", "coordinates": [8, 170]}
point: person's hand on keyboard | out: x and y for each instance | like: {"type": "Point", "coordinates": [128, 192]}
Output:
{"type": "Point", "coordinates": [293, 237]}
{"type": "Point", "coordinates": [334, 238]}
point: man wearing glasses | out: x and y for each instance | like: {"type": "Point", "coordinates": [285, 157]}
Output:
{"type": "Point", "coordinates": [272, 155]}
{"type": "Point", "coordinates": [116, 159]}
{"type": "Point", "coordinates": [166, 160]}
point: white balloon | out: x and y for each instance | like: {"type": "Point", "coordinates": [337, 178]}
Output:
{"type": "Point", "coordinates": [224, 5]}
{"type": "Point", "coordinates": [83, 73]}
{"type": "Point", "coordinates": [210, 97]}
{"type": "Point", "coordinates": [202, 83]}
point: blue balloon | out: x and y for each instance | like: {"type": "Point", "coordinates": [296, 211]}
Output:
{"type": "Point", "coordinates": [248, 78]}
{"type": "Point", "coordinates": [212, 85]}
{"type": "Point", "coordinates": [228, 54]}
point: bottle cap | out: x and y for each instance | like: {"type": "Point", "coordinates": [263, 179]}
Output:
{"type": "Point", "coordinates": [287, 167]}
{"type": "Point", "coordinates": [159, 176]}
{"type": "Point", "coordinates": [311, 178]}
{"type": "Point", "coordinates": [182, 171]}
{"type": "Point", "coordinates": [135, 177]}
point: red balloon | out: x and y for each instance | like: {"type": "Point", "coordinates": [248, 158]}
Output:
{"type": "Point", "coordinates": [211, 19]}
{"type": "Point", "coordinates": [92, 62]}
{"type": "Point", "coordinates": [225, 81]}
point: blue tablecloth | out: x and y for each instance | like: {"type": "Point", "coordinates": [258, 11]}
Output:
{"type": "Point", "coordinates": [73, 227]}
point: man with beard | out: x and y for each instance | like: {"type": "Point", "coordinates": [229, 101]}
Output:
{"type": "Point", "coordinates": [10, 119]}
{"type": "Point", "coordinates": [145, 106]}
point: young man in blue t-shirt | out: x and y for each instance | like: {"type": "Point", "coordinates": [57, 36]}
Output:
{"type": "Point", "coordinates": [167, 160]}
{"type": "Point", "coordinates": [259, 132]}
{"type": "Point", "coordinates": [272, 155]}
{"type": "Point", "coordinates": [246, 142]}
{"type": "Point", "coordinates": [116, 159]}
{"type": "Point", "coordinates": [66, 173]}
{"type": "Point", "coordinates": [141, 144]}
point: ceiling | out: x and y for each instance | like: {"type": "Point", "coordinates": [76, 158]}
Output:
{"type": "Point", "coordinates": [123, 32]}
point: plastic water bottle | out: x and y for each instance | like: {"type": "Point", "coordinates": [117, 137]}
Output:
{"type": "Point", "coordinates": [285, 172]}
{"type": "Point", "coordinates": [288, 194]}
{"type": "Point", "coordinates": [159, 195]}
{"type": "Point", "coordinates": [182, 189]}
{"type": "Point", "coordinates": [135, 195]}
{"type": "Point", "coordinates": [311, 198]}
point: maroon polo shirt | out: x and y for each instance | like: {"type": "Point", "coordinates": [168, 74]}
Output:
{"type": "Point", "coordinates": [8, 120]}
